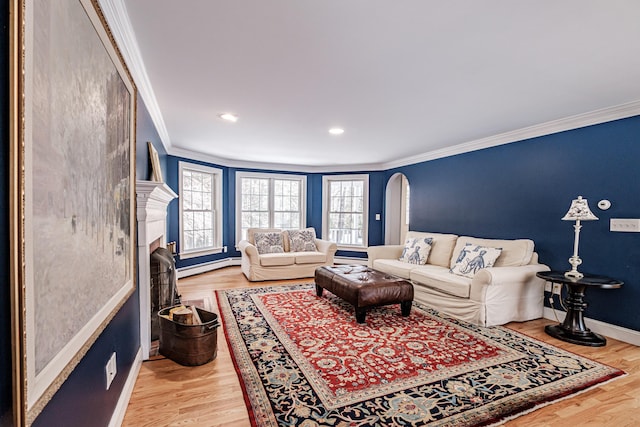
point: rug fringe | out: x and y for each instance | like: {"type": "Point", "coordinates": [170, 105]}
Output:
{"type": "Point", "coordinates": [554, 401]}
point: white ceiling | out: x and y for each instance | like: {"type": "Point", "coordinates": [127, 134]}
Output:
{"type": "Point", "coordinates": [404, 78]}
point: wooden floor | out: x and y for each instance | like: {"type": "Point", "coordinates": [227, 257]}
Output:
{"type": "Point", "coordinates": [167, 394]}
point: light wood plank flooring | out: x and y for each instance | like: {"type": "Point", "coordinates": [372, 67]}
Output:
{"type": "Point", "coordinates": [167, 394]}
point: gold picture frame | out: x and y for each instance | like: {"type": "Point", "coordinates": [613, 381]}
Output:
{"type": "Point", "coordinates": [73, 108]}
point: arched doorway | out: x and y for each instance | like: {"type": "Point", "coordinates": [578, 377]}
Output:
{"type": "Point", "coordinates": [397, 197]}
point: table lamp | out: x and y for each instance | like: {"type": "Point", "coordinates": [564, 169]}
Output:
{"type": "Point", "coordinates": [578, 211]}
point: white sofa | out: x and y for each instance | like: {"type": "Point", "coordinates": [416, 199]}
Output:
{"type": "Point", "coordinates": [284, 265]}
{"type": "Point", "coordinates": [508, 291]}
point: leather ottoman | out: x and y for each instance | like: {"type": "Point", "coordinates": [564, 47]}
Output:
{"type": "Point", "coordinates": [364, 287]}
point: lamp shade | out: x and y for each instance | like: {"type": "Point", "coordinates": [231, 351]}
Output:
{"type": "Point", "coordinates": [579, 210]}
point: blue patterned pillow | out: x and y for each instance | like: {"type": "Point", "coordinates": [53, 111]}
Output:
{"type": "Point", "coordinates": [416, 250]}
{"type": "Point", "coordinates": [473, 258]}
{"type": "Point", "coordinates": [302, 240]}
{"type": "Point", "coordinates": [269, 243]}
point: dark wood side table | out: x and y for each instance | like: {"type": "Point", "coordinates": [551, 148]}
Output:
{"type": "Point", "coordinates": [573, 329]}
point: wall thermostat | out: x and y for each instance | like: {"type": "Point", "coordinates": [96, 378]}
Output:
{"type": "Point", "coordinates": [604, 204]}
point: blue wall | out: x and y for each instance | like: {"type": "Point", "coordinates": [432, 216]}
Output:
{"type": "Point", "coordinates": [5, 285]}
{"type": "Point", "coordinates": [314, 208]}
{"type": "Point", "coordinates": [146, 132]}
{"type": "Point", "coordinates": [521, 190]}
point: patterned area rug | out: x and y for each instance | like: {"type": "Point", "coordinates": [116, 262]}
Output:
{"type": "Point", "coordinates": [304, 361]}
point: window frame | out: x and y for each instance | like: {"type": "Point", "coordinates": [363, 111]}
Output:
{"type": "Point", "coordinates": [272, 177]}
{"type": "Point", "coordinates": [217, 212]}
{"type": "Point", "coordinates": [326, 195]}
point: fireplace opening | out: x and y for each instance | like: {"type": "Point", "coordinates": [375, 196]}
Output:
{"type": "Point", "coordinates": [164, 291]}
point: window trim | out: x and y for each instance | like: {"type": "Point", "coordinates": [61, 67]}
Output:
{"type": "Point", "coordinates": [271, 177]}
{"type": "Point", "coordinates": [326, 179]}
{"type": "Point", "coordinates": [217, 209]}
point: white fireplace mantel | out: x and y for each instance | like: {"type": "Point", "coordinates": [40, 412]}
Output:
{"type": "Point", "coordinates": [152, 199]}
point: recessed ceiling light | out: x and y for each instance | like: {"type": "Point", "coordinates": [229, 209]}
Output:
{"type": "Point", "coordinates": [336, 131]}
{"type": "Point", "coordinates": [229, 117]}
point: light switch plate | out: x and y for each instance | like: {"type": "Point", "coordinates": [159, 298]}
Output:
{"type": "Point", "coordinates": [629, 225]}
{"type": "Point", "coordinates": [111, 369]}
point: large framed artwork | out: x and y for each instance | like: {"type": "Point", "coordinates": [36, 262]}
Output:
{"type": "Point", "coordinates": [73, 177]}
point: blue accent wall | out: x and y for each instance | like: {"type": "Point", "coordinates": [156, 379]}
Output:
{"type": "Point", "coordinates": [146, 132]}
{"type": "Point", "coordinates": [5, 285]}
{"type": "Point", "coordinates": [82, 400]}
{"type": "Point", "coordinates": [521, 190]}
{"type": "Point", "coordinates": [173, 212]}
{"type": "Point", "coordinates": [314, 208]}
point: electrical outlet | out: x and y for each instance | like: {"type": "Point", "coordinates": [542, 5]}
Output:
{"type": "Point", "coordinates": [557, 288]}
{"type": "Point", "coordinates": [224, 249]}
{"type": "Point", "coordinates": [547, 286]}
{"type": "Point", "coordinates": [111, 369]}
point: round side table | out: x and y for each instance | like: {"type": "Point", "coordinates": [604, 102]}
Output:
{"type": "Point", "coordinates": [573, 329]}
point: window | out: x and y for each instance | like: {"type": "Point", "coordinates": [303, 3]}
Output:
{"type": "Point", "coordinates": [269, 201]}
{"type": "Point", "coordinates": [200, 210]}
{"type": "Point", "coordinates": [345, 210]}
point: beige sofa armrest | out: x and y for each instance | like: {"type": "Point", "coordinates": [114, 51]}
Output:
{"type": "Point", "coordinates": [250, 251]}
{"type": "Point", "coordinates": [383, 252]}
{"type": "Point", "coordinates": [326, 246]}
{"type": "Point", "coordinates": [509, 279]}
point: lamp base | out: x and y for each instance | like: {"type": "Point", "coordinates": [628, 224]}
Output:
{"type": "Point", "coordinates": [575, 261]}
{"type": "Point", "coordinates": [574, 274]}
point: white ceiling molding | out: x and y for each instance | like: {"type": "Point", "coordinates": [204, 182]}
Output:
{"type": "Point", "coordinates": [574, 122]}
{"type": "Point", "coordinates": [403, 93]}
{"type": "Point", "coordinates": [115, 12]}
{"type": "Point", "coordinates": [285, 167]}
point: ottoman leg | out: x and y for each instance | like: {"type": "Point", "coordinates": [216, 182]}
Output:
{"type": "Point", "coordinates": [319, 290]}
{"type": "Point", "coordinates": [360, 314]}
{"type": "Point", "coordinates": [406, 308]}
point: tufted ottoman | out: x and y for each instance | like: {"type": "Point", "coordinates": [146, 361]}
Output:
{"type": "Point", "coordinates": [364, 287]}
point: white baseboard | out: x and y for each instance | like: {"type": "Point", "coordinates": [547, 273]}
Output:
{"type": "Point", "coordinates": [209, 266]}
{"type": "Point", "coordinates": [608, 330]}
{"type": "Point", "coordinates": [127, 391]}
{"type": "Point", "coordinates": [214, 265]}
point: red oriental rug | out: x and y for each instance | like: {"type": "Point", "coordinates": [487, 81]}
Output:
{"type": "Point", "coordinates": [304, 361]}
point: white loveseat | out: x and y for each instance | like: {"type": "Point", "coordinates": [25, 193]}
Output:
{"type": "Point", "coordinates": [507, 291]}
{"type": "Point", "coordinates": [286, 264]}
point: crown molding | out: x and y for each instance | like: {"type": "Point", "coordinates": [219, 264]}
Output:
{"type": "Point", "coordinates": [116, 15]}
{"type": "Point", "coordinates": [115, 12]}
{"type": "Point", "coordinates": [242, 164]}
{"type": "Point", "coordinates": [603, 115]}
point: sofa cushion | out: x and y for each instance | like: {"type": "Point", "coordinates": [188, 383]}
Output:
{"type": "Point", "coordinates": [441, 279]}
{"type": "Point", "coordinates": [473, 258]}
{"type": "Point", "coordinates": [284, 258]}
{"type": "Point", "coordinates": [302, 240]}
{"type": "Point", "coordinates": [309, 257]}
{"type": "Point", "coordinates": [441, 246]}
{"type": "Point", "coordinates": [252, 231]}
{"type": "Point", "coordinates": [514, 252]}
{"type": "Point", "coordinates": [269, 243]}
{"type": "Point", "coordinates": [416, 250]}
{"type": "Point", "coordinates": [393, 266]}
